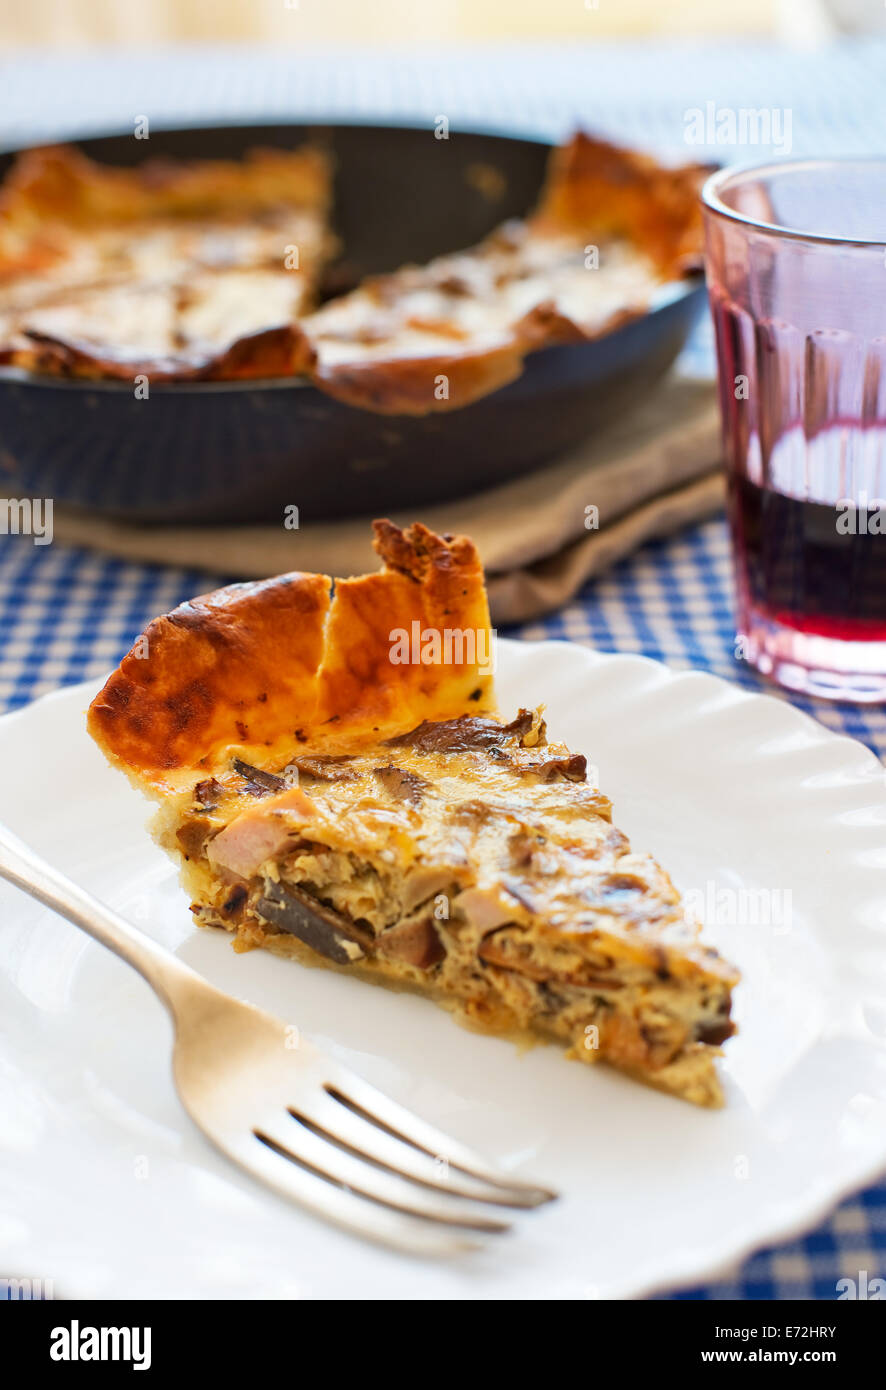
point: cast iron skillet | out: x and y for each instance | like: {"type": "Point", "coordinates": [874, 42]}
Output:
{"type": "Point", "coordinates": [206, 452]}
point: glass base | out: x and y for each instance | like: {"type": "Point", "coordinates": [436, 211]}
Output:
{"type": "Point", "coordinates": [819, 666]}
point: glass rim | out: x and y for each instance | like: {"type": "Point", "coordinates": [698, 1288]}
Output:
{"type": "Point", "coordinates": [715, 183]}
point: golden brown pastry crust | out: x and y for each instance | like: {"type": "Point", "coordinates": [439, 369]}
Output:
{"type": "Point", "coordinates": [58, 185]}
{"type": "Point", "coordinates": [257, 664]}
{"type": "Point", "coordinates": [429, 583]}
{"type": "Point", "coordinates": [273, 352]}
{"type": "Point", "coordinates": [230, 667]}
{"type": "Point", "coordinates": [408, 385]}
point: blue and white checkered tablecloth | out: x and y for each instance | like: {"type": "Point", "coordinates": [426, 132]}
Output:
{"type": "Point", "coordinates": [66, 615]}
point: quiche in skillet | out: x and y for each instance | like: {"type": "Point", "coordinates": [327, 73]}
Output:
{"type": "Point", "coordinates": [174, 270]}
{"type": "Point", "coordinates": [212, 270]}
{"type": "Point", "coordinates": [339, 786]}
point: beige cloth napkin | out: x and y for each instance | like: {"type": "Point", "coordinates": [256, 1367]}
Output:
{"type": "Point", "coordinates": [654, 471]}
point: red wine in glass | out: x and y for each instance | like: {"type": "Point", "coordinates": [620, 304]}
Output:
{"type": "Point", "coordinates": [797, 282]}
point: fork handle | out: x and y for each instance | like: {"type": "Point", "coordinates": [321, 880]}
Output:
{"type": "Point", "coordinates": [163, 971]}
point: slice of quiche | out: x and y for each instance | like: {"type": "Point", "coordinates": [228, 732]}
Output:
{"type": "Point", "coordinates": [339, 786]}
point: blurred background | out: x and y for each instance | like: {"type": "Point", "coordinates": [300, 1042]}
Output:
{"type": "Point", "coordinates": [628, 68]}
{"type": "Point", "coordinates": [63, 23]}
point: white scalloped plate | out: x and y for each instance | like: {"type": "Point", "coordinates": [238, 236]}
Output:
{"type": "Point", "coordinates": [106, 1187]}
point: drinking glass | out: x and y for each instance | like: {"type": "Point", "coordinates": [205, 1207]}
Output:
{"type": "Point", "coordinates": [796, 266]}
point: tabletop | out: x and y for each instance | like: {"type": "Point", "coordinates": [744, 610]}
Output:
{"type": "Point", "coordinates": [67, 615]}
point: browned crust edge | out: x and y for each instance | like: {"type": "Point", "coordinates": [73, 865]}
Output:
{"type": "Point", "coordinates": [417, 386]}
{"type": "Point", "coordinates": [261, 666]}
{"type": "Point", "coordinates": [59, 183]}
{"type": "Point", "coordinates": [272, 352]}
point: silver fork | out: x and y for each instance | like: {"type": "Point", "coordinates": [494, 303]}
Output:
{"type": "Point", "coordinates": [287, 1113]}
